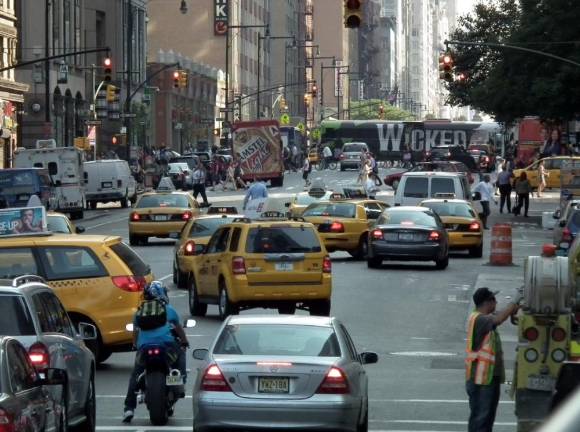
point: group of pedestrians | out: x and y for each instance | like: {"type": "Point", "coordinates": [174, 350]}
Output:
{"type": "Point", "coordinates": [226, 173]}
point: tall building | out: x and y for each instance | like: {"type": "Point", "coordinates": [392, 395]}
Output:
{"type": "Point", "coordinates": [11, 91]}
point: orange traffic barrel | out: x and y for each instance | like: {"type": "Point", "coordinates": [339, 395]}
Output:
{"type": "Point", "coordinates": [501, 245]}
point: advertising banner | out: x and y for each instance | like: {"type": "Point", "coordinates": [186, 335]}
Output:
{"type": "Point", "coordinates": [221, 9]}
{"type": "Point", "coordinates": [24, 220]}
{"type": "Point", "coordinates": [257, 144]}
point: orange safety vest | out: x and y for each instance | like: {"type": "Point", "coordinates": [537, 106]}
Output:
{"type": "Point", "coordinates": [484, 357]}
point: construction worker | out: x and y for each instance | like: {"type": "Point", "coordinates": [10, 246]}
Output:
{"type": "Point", "coordinates": [484, 362]}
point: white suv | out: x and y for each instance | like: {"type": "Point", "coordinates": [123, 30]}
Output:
{"type": "Point", "coordinates": [31, 313]}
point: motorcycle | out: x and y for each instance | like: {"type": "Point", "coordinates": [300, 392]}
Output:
{"type": "Point", "coordinates": [160, 385]}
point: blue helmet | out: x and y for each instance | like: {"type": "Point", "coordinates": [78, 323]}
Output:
{"type": "Point", "coordinates": [156, 291]}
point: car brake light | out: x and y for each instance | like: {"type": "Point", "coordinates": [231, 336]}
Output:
{"type": "Point", "coordinates": [566, 234]}
{"type": "Point", "coordinates": [377, 234]}
{"type": "Point", "coordinates": [336, 227]}
{"type": "Point", "coordinates": [559, 334]}
{"type": "Point", "coordinates": [6, 422]}
{"type": "Point", "coordinates": [474, 226]}
{"type": "Point", "coordinates": [334, 382]}
{"type": "Point", "coordinates": [531, 334]}
{"type": "Point", "coordinates": [213, 380]}
{"type": "Point", "coordinates": [129, 283]}
{"type": "Point", "coordinates": [342, 156]}
{"type": "Point", "coordinates": [238, 265]}
{"type": "Point", "coordinates": [186, 216]}
{"type": "Point", "coordinates": [39, 356]}
{"type": "Point", "coordinates": [326, 265]}
{"type": "Point", "coordinates": [135, 217]}
{"type": "Point", "coordinates": [189, 248]}
{"type": "Point", "coordinates": [434, 236]}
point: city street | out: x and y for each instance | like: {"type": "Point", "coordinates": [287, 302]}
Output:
{"type": "Point", "coordinates": [413, 316]}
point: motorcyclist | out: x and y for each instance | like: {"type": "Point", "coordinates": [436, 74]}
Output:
{"type": "Point", "coordinates": [171, 334]}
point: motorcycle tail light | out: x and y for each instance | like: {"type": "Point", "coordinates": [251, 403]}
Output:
{"type": "Point", "coordinates": [566, 234]}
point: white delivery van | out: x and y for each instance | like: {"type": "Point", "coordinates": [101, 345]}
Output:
{"type": "Point", "coordinates": [109, 180]}
{"type": "Point", "coordinates": [65, 168]}
{"type": "Point", "coordinates": [418, 186]}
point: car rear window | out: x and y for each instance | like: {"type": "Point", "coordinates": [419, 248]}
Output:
{"type": "Point", "coordinates": [152, 201]}
{"type": "Point", "coordinates": [343, 210]}
{"type": "Point", "coordinates": [15, 318]}
{"type": "Point", "coordinates": [57, 224]}
{"type": "Point", "coordinates": [354, 148]}
{"type": "Point", "coordinates": [137, 266]}
{"type": "Point", "coordinates": [206, 227]}
{"type": "Point", "coordinates": [442, 185]}
{"type": "Point", "coordinates": [451, 209]}
{"type": "Point", "coordinates": [416, 187]}
{"type": "Point", "coordinates": [278, 340]}
{"type": "Point", "coordinates": [71, 262]}
{"type": "Point", "coordinates": [17, 262]}
{"type": "Point", "coordinates": [407, 218]}
{"type": "Point", "coordinates": [299, 239]}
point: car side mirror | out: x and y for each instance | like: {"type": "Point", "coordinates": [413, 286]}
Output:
{"type": "Point", "coordinates": [369, 357]}
{"type": "Point", "coordinates": [52, 376]}
{"type": "Point", "coordinates": [200, 354]}
{"type": "Point", "coordinates": [87, 331]}
{"type": "Point", "coordinates": [79, 229]}
{"type": "Point", "coordinates": [562, 223]}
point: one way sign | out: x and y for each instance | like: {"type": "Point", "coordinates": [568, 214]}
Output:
{"type": "Point", "coordinates": [221, 19]}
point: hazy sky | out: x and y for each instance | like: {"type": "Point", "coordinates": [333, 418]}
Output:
{"type": "Point", "coordinates": [465, 6]}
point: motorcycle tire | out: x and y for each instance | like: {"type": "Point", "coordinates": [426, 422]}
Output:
{"type": "Point", "coordinates": [156, 397]}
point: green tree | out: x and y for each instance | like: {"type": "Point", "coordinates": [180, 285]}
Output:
{"type": "Point", "coordinates": [369, 110]}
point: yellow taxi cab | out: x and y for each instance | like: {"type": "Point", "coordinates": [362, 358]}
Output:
{"type": "Point", "coordinates": [269, 263]}
{"type": "Point", "coordinates": [60, 223]}
{"type": "Point", "coordinates": [98, 279]}
{"type": "Point", "coordinates": [192, 240]}
{"type": "Point", "coordinates": [552, 165]}
{"type": "Point", "coordinates": [462, 223]}
{"type": "Point", "coordinates": [160, 214]}
{"type": "Point", "coordinates": [344, 224]}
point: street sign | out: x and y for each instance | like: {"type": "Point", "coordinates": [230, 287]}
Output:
{"type": "Point", "coordinates": [226, 110]}
{"type": "Point", "coordinates": [285, 119]}
{"type": "Point", "coordinates": [93, 122]}
{"type": "Point", "coordinates": [207, 121]}
{"type": "Point", "coordinates": [220, 119]}
{"type": "Point", "coordinates": [127, 115]}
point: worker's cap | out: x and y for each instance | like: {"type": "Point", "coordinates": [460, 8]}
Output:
{"type": "Point", "coordinates": [483, 294]}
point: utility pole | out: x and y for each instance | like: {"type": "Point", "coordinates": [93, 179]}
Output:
{"type": "Point", "coordinates": [127, 120]}
{"type": "Point", "coordinates": [46, 64]}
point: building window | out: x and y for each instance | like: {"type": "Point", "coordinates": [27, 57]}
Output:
{"type": "Point", "coordinates": [67, 31]}
{"type": "Point", "coordinates": [77, 25]}
{"type": "Point", "coordinates": [55, 28]}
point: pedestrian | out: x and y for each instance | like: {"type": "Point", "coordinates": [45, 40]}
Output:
{"type": "Point", "coordinates": [504, 184]}
{"type": "Point", "coordinates": [542, 174]}
{"type": "Point", "coordinates": [306, 168]}
{"type": "Point", "coordinates": [214, 177]}
{"type": "Point", "coordinates": [199, 177]}
{"type": "Point", "coordinates": [523, 189]}
{"type": "Point", "coordinates": [485, 190]}
{"type": "Point", "coordinates": [484, 364]}
{"type": "Point", "coordinates": [371, 188]}
{"type": "Point", "coordinates": [327, 154]}
{"type": "Point", "coordinates": [374, 173]}
{"type": "Point", "coordinates": [256, 190]}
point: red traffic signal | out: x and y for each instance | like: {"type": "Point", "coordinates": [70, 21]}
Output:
{"type": "Point", "coordinates": [314, 90]}
{"type": "Point", "coordinates": [114, 139]}
{"type": "Point", "coordinates": [176, 76]}
{"type": "Point", "coordinates": [446, 67]}
{"type": "Point", "coordinates": [108, 67]}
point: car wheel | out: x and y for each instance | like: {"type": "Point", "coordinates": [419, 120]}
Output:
{"type": "Point", "coordinates": [374, 262]}
{"type": "Point", "coordinates": [287, 309]}
{"type": "Point", "coordinates": [363, 248]}
{"type": "Point", "coordinates": [441, 264]}
{"type": "Point", "coordinates": [225, 306]}
{"type": "Point", "coordinates": [89, 411]}
{"type": "Point", "coordinates": [320, 308]}
{"type": "Point", "coordinates": [477, 251]}
{"type": "Point", "coordinates": [195, 307]}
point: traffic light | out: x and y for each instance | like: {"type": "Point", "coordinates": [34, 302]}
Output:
{"type": "Point", "coordinates": [183, 79]}
{"type": "Point", "coordinates": [108, 67]}
{"type": "Point", "coordinates": [114, 140]}
{"type": "Point", "coordinates": [216, 132]}
{"type": "Point", "coordinates": [176, 76]}
{"type": "Point", "coordinates": [353, 13]}
{"type": "Point", "coordinates": [446, 67]}
{"type": "Point", "coordinates": [381, 112]}
{"type": "Point", "coordinates": [110, 93]}
{"type": "Point", "coordinates": [314, 90]}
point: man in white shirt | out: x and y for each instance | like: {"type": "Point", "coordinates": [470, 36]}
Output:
{"type": "Point", "coordinates": [327, 153]}
{"type": "Point", "coordinates": [486, 192]}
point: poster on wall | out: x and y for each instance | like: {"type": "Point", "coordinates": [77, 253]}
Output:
{"type": "Point", "coordinates": [221, 17]}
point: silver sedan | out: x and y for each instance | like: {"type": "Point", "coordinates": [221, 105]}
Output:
{"type": "Point", "coordinates": [282, 372]}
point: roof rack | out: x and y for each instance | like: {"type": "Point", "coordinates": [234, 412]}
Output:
{"type": "Point", "coordinates": [21, 280]}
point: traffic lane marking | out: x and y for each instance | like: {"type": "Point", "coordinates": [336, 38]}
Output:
{"type": "Point", "coordinates": [126, 218]}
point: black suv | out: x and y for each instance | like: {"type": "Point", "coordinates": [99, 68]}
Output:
{"type": "Point", "coordinates": [453, 153]}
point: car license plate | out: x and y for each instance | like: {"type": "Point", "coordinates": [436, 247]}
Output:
{"type": "Point", "coordinates": [273, 385]}
{"type": "Point", "coordinates": [160, 218]}
{"type": "Point", "coordinates": [541, 382]}
{"type": "Point", "coordinates": [284, 266]}
{"type": "Point", "coordinates": [406, 236]}
{"type": "Point", "coordinates": [107, 184]}
{"type": "Point", "coordinates": [171, 380]}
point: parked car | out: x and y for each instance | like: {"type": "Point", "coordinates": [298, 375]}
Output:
{"type": "Point", "coordinates": [350, 155]}
{"type": "Point", "coordinates": [31, 313]}
{"type": "Point", "coordinates": [268, 373]}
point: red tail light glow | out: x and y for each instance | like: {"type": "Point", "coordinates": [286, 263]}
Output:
{"type": "Point", "coordinates": [566, 234]}
{"type": "Point", "coordinates": [213, 380]}
{"type": "Point", "coordinates": [531, 334]}
{"type": "Point", "coordinates": [474, 226]}
{"type": "Point", "coordinates": [130, 283]}
{"type": "Point", "coordinates": [326, 265]}
{"type": "Point", "coordinates": [39, 356]}
{"type": "Point", "coordinates": [434, 236]}
{"type": "Point", "coordinates": [186, 216]}
{"type": "Point", "coordinates": [153, 351]}
{"type": "Point", "coordinates": [377, 235]}
{"type": "Point", "coordinates": [135, 217]}
{"type": "Point", "coordinates": [334, 383]}
{"type": "Point", "coordinates": [189, 248]}
{"type": "Point", "coordinates": [336, 227]}
{"type": "Point", "coordinates": [239, 265]}
{"type": "Point", "coordinates": [558, 334]}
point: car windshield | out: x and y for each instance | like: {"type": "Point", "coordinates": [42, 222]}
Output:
{"type": "Point", "coordinates": [354, 148]}
{"type": "Point", "coordinates": [206, 227]}
{"type": "Point", "coordinates": [15, 319]}
{"type": "Point", "coordinates": [451, 209]}
{"type": "Point", "coordinates": [163, 200]}
{"type": "Point", "coordinates": [407, 218]}
{"type": "Point", "coordinates": [57, 224]}
{"type": "Point", "coordinates": [343, 210]}
{"type": "Point", "coordinates": [280, 239]}
{"type": "Point", "coordinates": [278, 340]}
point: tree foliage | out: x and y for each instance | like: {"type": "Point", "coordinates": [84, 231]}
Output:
{"type": "Point", "coordinates": [369, 110]}
{"type": "Point", "coordinates": [509, 84]}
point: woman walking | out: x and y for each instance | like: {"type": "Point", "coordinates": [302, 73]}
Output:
{"type": "Point", "coordinates": [523, 190]}
{"type": "Point", "coordinates": [542, 174]}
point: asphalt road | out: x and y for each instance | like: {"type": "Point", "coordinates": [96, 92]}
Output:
{"type": "Point", "coordinates": [412, 315]}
